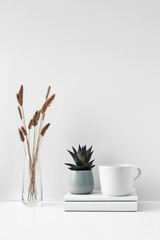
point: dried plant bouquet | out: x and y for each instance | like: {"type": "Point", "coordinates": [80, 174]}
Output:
{"type": "Point", "coordinates": [35, 129]}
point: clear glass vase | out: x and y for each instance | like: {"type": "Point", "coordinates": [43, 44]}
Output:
{"type": "Point", "coordinates": [32, 194]}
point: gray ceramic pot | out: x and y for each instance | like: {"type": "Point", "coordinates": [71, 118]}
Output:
{"type": "Point", "coordinates": [81, 182]}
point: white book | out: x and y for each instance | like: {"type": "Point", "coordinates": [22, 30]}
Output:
{"type": "Point", "coordinates": [101, 206]}
{"type": "Point", "coordinates": [97, 196]}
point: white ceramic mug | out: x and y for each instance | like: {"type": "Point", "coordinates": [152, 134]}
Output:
{"type": "Point", "coordinates": [118, 179]}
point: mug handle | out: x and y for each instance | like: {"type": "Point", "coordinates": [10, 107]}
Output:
{"type": "Point", "coordinates": [139, 173]}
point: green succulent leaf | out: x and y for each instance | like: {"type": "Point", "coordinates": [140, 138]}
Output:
{"type": "Point", "coordinates": [73, 156]}
{"type": "Point", "coordinates": [83, 150]}
{"type": "Point", "coordinates": [89, 151]}
{"type": "Point", "coordinates": [69, 164]}
{"type": "Point", "coordinates": [89, 156]}
{"type": "Point", "coordinates": [79, 148]}
{"type": "Point", "coordinates": [90, 163]}
{"type": "Point", "coordinates": [73, 168]}
{"type": "Point", "coordinates": [74, 150]}
{"type": "Point", "coordinates": [79, 161]}
{"type": "Point", "coordinates": [81, 158]}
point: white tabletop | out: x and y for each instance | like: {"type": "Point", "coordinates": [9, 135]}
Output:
{"type": "Point", "coordinates": [51, 222]}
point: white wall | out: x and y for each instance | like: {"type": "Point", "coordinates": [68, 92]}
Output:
{"type": "Point", "coordinates": [102, 59]}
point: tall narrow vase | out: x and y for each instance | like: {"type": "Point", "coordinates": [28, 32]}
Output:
{"type": "Point", "coordinates": [32, 194]}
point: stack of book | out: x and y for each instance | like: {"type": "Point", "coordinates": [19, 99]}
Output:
{"type": "Point", "coordinates": [98, 202]}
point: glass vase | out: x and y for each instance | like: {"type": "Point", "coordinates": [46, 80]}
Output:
{"type": "Point", "coordinates": [32, 194]}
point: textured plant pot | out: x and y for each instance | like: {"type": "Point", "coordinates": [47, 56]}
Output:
{"type": "Point", "coordinates": [81, 182]}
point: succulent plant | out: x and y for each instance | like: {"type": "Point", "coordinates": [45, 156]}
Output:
{"type": "Point", "coordinates": [82, 159]}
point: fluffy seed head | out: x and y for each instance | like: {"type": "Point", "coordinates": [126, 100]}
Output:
{"type": "Point", "coordinates": [48, 91]}
{"type": "Point", "coordinates": [24, 131]}
{"type": "Point", "coordinates": [20, 96]}
{"type": "Point", "coordinates": [35, 119]}
{"type": "Point", "coordinates": [20, 114]}
{"type": "Point", "coordinates": [21, 135]}
{"type": "Point", "coordinates": [30, 124]}
{"type": "Point", "coordinates": [47, 103]}
{"type": "Point", "coordinates": [43, 131]}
